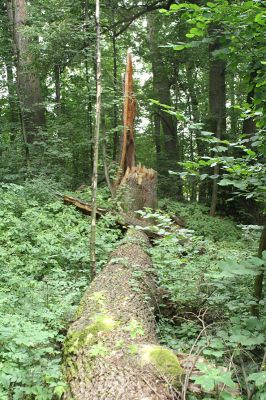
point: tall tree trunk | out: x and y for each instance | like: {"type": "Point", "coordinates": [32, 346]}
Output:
{"type": "Point", "coordinates": [115, 108]}
{"type": "Point", "coordinates": [258, 284]}
{"type": "Point", "coordinates": [89, 152]}
{"type": "Point", "coordinates": [217, 101]}
{"type": "Point", "coordinates": [193, 100]}
{"type": "Point", "coordinates": [57, 73]}
{"type": "Point", "coordinates": [96, 141]}
{"type": "Point", "coordinates": [249, 125]}
{"type": "Point", "coordinates": [12, 100]}
{"type": "Point", "coordinates": [33, 112]}
{"type": "Point", "coordinates": [157, 137]}
{"type": "Point", "coordinates": [161, 89]}
{"type": "Point", "coordinates": [128, 144]}
{"type": "Point", "coordinates": [105, 164]}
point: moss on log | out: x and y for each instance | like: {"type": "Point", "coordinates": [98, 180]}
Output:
{"type": "Point", "coordinates": [111, 351]}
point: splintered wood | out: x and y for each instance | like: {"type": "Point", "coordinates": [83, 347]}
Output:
{"type": "Point", "coordinates": [128, 144]}
{"type": "Point", "coordinates": [139, 188]}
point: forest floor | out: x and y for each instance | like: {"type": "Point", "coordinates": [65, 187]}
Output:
{"type": "Point", "coordinates": [205, 274]}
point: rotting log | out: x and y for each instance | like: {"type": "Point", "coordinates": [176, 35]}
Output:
{"type": "Point", "coordinates": [111, 351]}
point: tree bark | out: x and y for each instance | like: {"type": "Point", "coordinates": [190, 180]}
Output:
{"type": "Point", "coordinates": [89, 151]}
{"type": "Point", "coordinates": [249, 125]}
{"type": "Point", "coordinates": [12, 100]}
{"type": "Point", "coordinates": [105, 165]}
{"type": "Point", "coordinates": [111, 351]}
{"type": "Point", "coordinates": [258, 284]}
{"type": "Point", "coordinates": [128, 142]}
{"type": "Point", "coordinates": [33, 112]}
{"type": "Point", "coordinates": [115, 108]}
{"type": "Point", "coordinates": [96, 141]}
{"type": "Point", "coordinates": [217, 101]}
{"type": "Point", "coordinates": [57, 73]}
{"type": "Point", "coordinates": [138, 189]}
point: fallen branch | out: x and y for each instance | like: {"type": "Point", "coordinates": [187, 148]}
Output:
{"type": "Point", "coordinates": [81, 205]}
{"type": "Point", "coordinates": [123, 219]}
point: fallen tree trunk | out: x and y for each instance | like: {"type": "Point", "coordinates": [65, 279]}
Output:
{"type": "Point", "coordinates": [111, 351]}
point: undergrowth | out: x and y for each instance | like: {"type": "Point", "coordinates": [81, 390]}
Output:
{"type": "Point", "coordinates": [44, 262]}
{"type": "Point", "coordinates": [207, 271]}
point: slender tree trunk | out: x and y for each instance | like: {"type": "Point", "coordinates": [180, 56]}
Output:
{"type": "Point", "coordinates": [217, 101]}
{"type": "Point", "coordinates": [157, 137]}
{"type": "Point", "coordinates": [233, 114]}
{"type": "Point", "coordinates": [12, 100]}
{"type": "Point", "coordinates": [249, 125]}
{"type": "Point", "coordinates": [216, 171]}
{"type": "Point", "coordinates": [105, 165]}
{"type": "Point", "coordinates": [57, 73]}
{"type": "Point", "coordinates": [115, 109]}
{"type": "Point", "coordinates": [258, 284]}
{"type": "Point", "coordinates": [96, 141]}
{"type": "Point", "coordinates": [87, 75]}
{"type": "Point", "coordinates": [29, 86]}
{"type": "Point", "coordinates": [193, 101]}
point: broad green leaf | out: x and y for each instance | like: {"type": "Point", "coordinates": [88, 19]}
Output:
{"type": "Point", "coordinates": [258, 377]}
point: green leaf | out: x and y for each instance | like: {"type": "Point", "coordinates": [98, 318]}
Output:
{"type": "Point", "coordinates": [186, 6]}
{"type": "Point", "coordinates": [225, 182]}
{"type": "Point", "coordinates": [258, 377]}
{"type": "Point", "coordinates": [206, 382]}
{"type": "Point", "coordinates": [179, 47]}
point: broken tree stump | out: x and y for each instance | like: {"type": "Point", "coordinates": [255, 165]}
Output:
{"type": "Point", "coordinates": [139, 188]}
{"type": "Point", "coordinates": [127, 158]}
{"type": "Point", "coordinates": [111, 351]}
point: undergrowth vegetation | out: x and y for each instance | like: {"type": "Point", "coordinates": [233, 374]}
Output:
{"type": "Point", "coordinates": [44, 262]}
{"type": "Point", "coordinates": [205, 270]}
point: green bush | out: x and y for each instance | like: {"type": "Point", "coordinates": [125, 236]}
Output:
{"type": "Point", "coordinates": [197, 218]}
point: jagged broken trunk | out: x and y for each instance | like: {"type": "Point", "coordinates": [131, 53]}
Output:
{"type": "Point", "coordinates": [139, 189]}
{"type": "Point", "coordinates": [111, 351]}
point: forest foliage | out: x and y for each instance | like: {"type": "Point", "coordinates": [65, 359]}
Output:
{"type": "Point", "coordinates": [199, 80]}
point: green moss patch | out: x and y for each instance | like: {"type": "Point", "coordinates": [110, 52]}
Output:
{"type": "Point", "coordinates": [89, 335]}
{"type": "Point", "coordinates": [164, 360]}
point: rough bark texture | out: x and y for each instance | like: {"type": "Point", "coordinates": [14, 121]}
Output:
{"type": "Point", "coordinates": [139, 188]}
{"type": "Point", "coordinates": [128, 144]}
{"type": "Point", "coordinates": [111, 351]}
{"type": "Point", "coordinates": [94, 182]}
{"type": "Point", "coordinates": [217, 101]}
{"type": "Point", "coordinates": [33, 112]}
{"type": "Point", "coordinates": [258, 284]}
